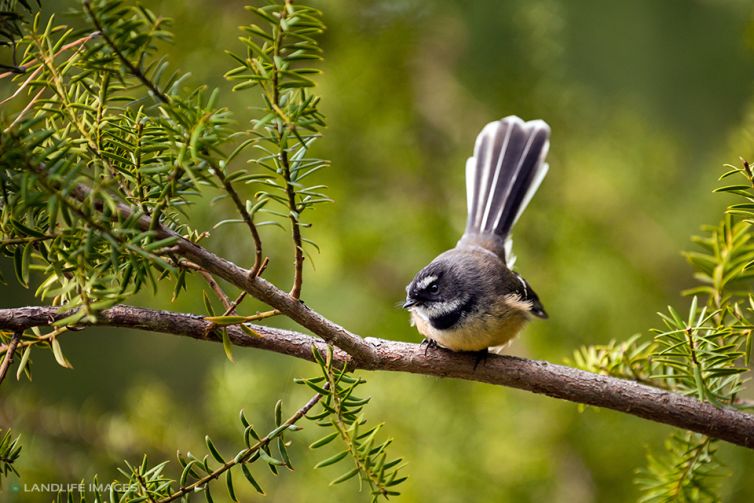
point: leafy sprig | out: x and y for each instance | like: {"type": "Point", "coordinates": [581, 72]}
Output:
{"type": "Point", "coordinates": [629, 359]}
{"type": "Point", "coordinates": [10, 450]}
{"type": "Point", "coordinates": [277, 53]}
{"type": "Point", "coordinates": [342, 414]}
{"type": "Point", "coordinates": [88, 142]}
{"type": "Point", "coordinates": [146, 482]}
{"type": "Point", "coordinates": [12, 17]}
{"type": "Point", "coordinates": [705, 353]}
{"type": "Point", "coordinates": [687, 472]}
{"type": "Point", "coordinates": [697, 356]}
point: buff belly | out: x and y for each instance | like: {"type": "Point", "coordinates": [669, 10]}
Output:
{"type": "Point", "coordinates": [483, 332]}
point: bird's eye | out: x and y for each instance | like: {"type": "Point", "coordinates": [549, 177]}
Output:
{"type": "Point", "coordinates": [433, 288]}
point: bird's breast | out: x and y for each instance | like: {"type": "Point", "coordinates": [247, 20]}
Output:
{"type": "Point", "coordinates": [475, 333]}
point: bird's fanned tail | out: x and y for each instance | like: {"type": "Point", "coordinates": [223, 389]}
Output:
{"type": "Point", "coordinates": [501, 178]}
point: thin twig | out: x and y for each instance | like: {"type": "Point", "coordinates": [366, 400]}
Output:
{"type": "Point", "coordinates": [245, 215]}
{"type": "Point", "coordinates": [244, 319]}
{"type": "Point", "coordinates": [9, 352]}
{"type": "Point", "coordinates": [28, 239]}
{"type": "Point", "coordinates": [232, 308]}
{"type": "Point", "coordinates": [691, 463]}
{"type": "Point", "coordinates": [298, 263]}
{"type": "Point", "coordinates": [145, 488]}
{"type": "Point", "coordinates": [33, 75]}
{"type": "Point", "coordinates": [39, 339]}
{"type": "Point", "coordinates": [216, 288]}
{"type": "Point", "coordinates": [227, 304]}
{"type": "Point", "coordinates": [262, 316]}
{"type": "Point", "coordinates": [293, 213]}
{"type": "Point", "coordinates": [23, 112]}
{"type": "Point", "coordinates": [743, 403]}
{"type": "Point", "coordinates": [263, 267]}
{"type": "Point", "coordinates": [167, 192]}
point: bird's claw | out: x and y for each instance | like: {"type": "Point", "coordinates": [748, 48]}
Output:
{"type": "Point", "coordinates": [430, 343]}
{"type": "Point", "coordinates": [479, 357]}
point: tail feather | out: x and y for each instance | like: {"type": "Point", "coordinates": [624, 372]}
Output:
{"type": "Point", "coordinates": [504, 173]}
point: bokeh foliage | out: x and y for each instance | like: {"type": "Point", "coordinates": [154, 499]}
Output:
{"type": "Point", "coordinates": [646, 100]}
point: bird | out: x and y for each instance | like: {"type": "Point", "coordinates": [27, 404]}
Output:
{"type": "Point", "coordinates": [469, 298]}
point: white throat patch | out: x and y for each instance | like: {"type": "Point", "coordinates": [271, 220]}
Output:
{"type": "Point", "coordinates": [420, 312]}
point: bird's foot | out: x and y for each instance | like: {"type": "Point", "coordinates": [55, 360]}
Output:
{"type": "Point", "coordinates": [429, 344]}
{"type": "Point", "coordinates": [480, 357]}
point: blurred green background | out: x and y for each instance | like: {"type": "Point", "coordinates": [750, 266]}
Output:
{"type": "Point", "coordinates": [646, 101]}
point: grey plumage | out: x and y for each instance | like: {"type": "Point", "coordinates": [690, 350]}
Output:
{"type": "Point", "coordinates": [468, 298]}
{"type": "Point", "coordinates": [502, 177]}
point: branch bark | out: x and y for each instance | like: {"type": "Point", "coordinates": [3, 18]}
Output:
{"type": "Point", "coordinates": [530, 375]}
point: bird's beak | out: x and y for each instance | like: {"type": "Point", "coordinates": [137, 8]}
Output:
{"type": "Point", "coordinates": [409, 302]}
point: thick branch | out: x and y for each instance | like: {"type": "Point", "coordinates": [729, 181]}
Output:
{"type": "Point", "coordinates": [536, 376]}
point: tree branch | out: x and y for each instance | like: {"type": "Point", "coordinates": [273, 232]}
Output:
{"type": "Point", "coordinates": [376, 354]}
{"type": "Point", "coordinates": [530, 375]}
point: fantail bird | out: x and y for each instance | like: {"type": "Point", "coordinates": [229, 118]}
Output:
{"type": "Point", "coordinates": [468, 298]}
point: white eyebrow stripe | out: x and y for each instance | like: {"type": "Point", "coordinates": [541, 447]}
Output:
{"type": "Point", "coordinates": [425, 282]}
